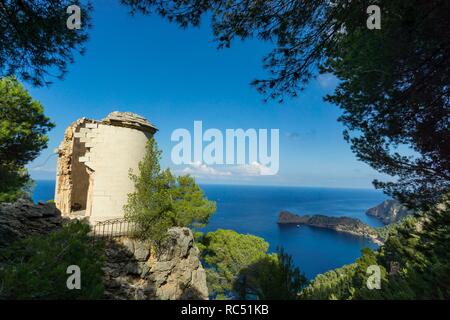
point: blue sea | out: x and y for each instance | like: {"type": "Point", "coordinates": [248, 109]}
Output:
{"type": "Point", "coordinates": [254, 210]}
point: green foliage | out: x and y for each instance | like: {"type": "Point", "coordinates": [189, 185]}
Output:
{"type": "Point", "coordinates": [23, 129]}
{"type": "Point", "coordinates": [414, 263]}
{"type": "Point", "coordinates": [226, 254]}
{"type": "Point", "coordinates": [394, 94]}
{"type": "Point", "coordinates": [35, 268]}
{"type": "Point", "coordinates": [238, 266]}
{"type": "Point", "coordinates": [273, 277]}
{"type": "Point", "coordinates": [332, 285]}
{"type": "Point", "coordinates": [368, 258]}
{"type": "Point", "coordinates": [15, 183]}
{"type": "Point", "coordinates": [198, 238]}
{"type": "Point", "coordinates": [161, 200]}
{"type": "Point", "coordinates": [384, 231]}
{"type": "Point", "coordinates": [421, 251]}
{"type": "Point", "coordinates": [35, 39]}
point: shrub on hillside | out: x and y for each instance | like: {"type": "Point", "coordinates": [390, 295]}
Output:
{"type": "Point", "coordinates": [36, 267]}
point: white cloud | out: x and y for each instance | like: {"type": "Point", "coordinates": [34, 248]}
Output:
{"type": "Point", "coordinates": [327, 80]}
{"type": "Point", "coordinates": [198, 169]}
{"type": "Point", "coordinates": [253, 169]}
{"type": "Point", "coordinates": [201, 170]}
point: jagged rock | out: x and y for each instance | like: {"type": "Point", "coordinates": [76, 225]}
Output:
{"type": "Point", "coordinates": [132, 269]}
{"type": "Point", "coordinates": [129, 119]}
{"type": "Point", "coordinates": [129, 245]}
{"type": "Point", "coordinates": [135, 271]}
{"type": "Point", "coordinates": [24, 218]}
{"type": "Point", "coordinates": [141, 251]}
{"type": "Point", "coordinates": [389, 211]}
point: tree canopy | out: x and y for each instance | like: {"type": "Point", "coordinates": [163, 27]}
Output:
{"type": "Point", "coordinates": [35, 43]}
{"type": "Point", "coordinates": [414, 264]}
{"type": "Point", "coordinates": [239, 266]}
{"type": "Point", "coordinates": [274, 277]}
{"type": "Point", "coordinates": [226, 253]}
{"type": "Point", "coordinates": [23, 134]}
{"type": "Point", "coordinates": [394, 92]}
{"type": "Point", "coordinates": [161, 200]}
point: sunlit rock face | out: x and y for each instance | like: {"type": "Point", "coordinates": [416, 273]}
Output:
{"type": "Point", "coordinates": [136, 271]}
{"type": "Point", "coordinates": [389, 211]}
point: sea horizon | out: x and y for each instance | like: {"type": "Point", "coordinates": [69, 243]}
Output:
{"type": "Point", "coordinates": [254, 209]}
{"type": "Point", "coordinates": [222, 183]}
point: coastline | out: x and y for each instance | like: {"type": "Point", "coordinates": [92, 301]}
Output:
{"type": "Point", "coordinates": [250, 209]}
{"type": "Point", "coordinates": [343, 224]}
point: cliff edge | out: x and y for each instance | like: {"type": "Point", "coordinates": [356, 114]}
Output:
{"type": "Point", "coordinates": [24, 218]}
{"type": "Point", "coordinates": [389, 211]}
{"type": "Point", "coordinates": [134, 271]}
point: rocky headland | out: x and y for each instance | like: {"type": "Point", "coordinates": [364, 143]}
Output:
{"type": "Point", "coordinates": [389, 211]}
{"type": "Point", "coordinates": [341, 224]}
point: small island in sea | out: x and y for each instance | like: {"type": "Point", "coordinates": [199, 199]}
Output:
{"type": "Point", "coordinates": [341, 224]}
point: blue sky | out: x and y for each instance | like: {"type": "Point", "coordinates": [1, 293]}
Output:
{"type": "Point", "coordinates": [174, 77]}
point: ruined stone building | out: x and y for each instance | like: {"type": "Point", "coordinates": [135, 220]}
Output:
{"type": "Point", "coordinates": [92, 178]}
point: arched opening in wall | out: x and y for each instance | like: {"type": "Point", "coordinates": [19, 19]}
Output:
{"type": "Point", "coordinates": [80, 175]}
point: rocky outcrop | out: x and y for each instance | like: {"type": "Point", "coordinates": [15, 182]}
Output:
{"type": "Point", "coordinates": [389, 211]}
{"type": "Point", "coordinates": [134, 271]}
{"type": "Point", "coordinates": [24, 218]}
{"type": "Point", "coordinates": [341, 224]}
{"type": "Point", "coordinates": [129, 120]}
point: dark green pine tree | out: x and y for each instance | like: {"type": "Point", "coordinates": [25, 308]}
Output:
{"type": "Point", "coordinates": [23, 134]}
{"type": "Point", "coordinates": [161, 201]}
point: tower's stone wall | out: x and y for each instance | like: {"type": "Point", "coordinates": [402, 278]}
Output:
{"type": "Point", "coordinates": [95, 159]}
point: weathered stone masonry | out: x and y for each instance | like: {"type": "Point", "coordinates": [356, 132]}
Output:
{"type": "Point", "coordinates": [94, 161]}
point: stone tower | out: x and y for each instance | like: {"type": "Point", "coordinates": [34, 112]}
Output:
{"type": "Point", "coordinates": [92, 178]}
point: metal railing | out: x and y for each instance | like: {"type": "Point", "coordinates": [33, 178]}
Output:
{"type": "Point", "coordinates": [112, 228]}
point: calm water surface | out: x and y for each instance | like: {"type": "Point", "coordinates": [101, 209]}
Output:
{"type": "Point", "coordinates": [254, 210]}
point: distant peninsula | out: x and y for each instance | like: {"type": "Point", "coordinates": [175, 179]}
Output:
{"type": "Point", "coordinates": [341, 224]}
{"type": "Point", "coordinates": [389, 211]}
